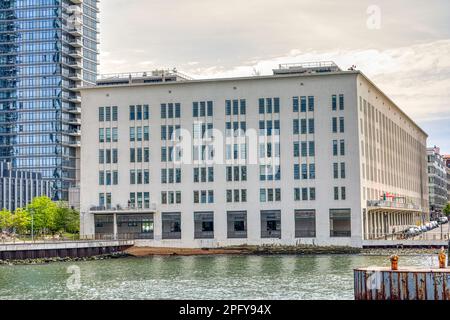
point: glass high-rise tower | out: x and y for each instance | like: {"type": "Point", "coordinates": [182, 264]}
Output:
{"type": "Point", "coordinates": [48, 49]}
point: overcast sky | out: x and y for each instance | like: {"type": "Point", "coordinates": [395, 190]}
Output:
{"type": "Point", "coordinates": [402, 45]}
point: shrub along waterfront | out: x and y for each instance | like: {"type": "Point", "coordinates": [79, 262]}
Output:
{"type": "Point", "coordinates": [41, 217]}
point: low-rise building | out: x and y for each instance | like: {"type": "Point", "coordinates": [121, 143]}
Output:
{"type": "Point", "coordinates": [437, 181]}
{"type": "Point", "coordinates": [311, 154]}
{"type": "Point", "coordinates": [19, 188]}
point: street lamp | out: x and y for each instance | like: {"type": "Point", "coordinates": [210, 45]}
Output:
{"type": "Point", "coordinates": [32, 224]}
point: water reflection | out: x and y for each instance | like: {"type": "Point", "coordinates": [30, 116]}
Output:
{"type": "Point", "coordinates": [203, 277]}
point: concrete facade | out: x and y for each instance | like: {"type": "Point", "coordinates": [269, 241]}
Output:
{"type": "Point", "coordinates": [365, 171]}
{"type": "Point", "coordinates": [437, 180]}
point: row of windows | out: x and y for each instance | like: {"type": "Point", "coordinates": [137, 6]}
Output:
{"type": "Point", "coordinates": [171, 175]}
{"type": "Point", "coordinates": [305, 174]}
{"type": "Point", "coordinates": [304, 222]}
{"type": "Point", "coordinates": [202, 109]}
{"type": "Point", "coordinates": [299, 104]}
{"type": "Point", "coordinates": [139, 155]}
{"type": "Point", "coordinates": [108, 135]}
{"type": "Point", "coordinates": [304, 149]}
{"type": "Point", "coordinates": [334, 125]}
{"type": "Point", "coordinates": [170, 110]}
{"type": "Point", "coordinates": [139, 176]}
{"type": "Point", "coordinates": [204, 196]}
{"type": "Point", "coordinates": [167, 132]}
{"type": "Point", "coordinates": [336, 170]}
{"type": "Point", "coordinates": [207, 196]}
{"type": "Point", "coordinates": [232, 107]}
{"type": "Point", "coordinates": [269, 105]}
{"type": "Point", "coordinates": [236, 195]}
{"type": "Point", "coordinates": [108, 114]}
{"type": "Point", "coordinates": [305, 194]}
{"type": "Point", "coordinates": [139, 112]}
{"type": "Point", "coordinates": [108, 156]}
{"type": "Point", "coordinates": [108, 178]}
{"type": "Point", "coordinates": [235, 107]}
{"type": "Point", "coordinates": [139, 133]}
{"type": "Point", "coordinates": [303, 126]}
{"type": "Point", "coordinates": [204, 174]}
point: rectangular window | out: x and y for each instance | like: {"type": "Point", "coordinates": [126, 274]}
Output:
{"type": "Point", "coordinates": [341, 102]}
{"type": "Point", "coordinates": [101, 156]}
{"type": "Point", "coordinates": [295, 104]}
{"type": "Point", "coordinates": [311, 128]}
{"type": "Point", "coordinates": [311, 103]}
{"type": "Point", "coordinates": [132, 176]}
{"type": "Point", "coordinates": [108, 114]}
{"type": "Point", "coordinates": [341, 124]}
{"type": "Point", "coordinates": [177, 110]}
{"type": "Point", "coordinates": [115, 114]}
{"type": "Point", "coordinates": [312, 171]}
{"type": "Point", "coordinates": [342, 147]}
{"type": "Point", "coordinates": [334, 102]}
{"type": "Point", "coordinates": [276, 105]}
{"type": "Point", "coordinates": [303, 126]}
{"type": "Point", "coordinates": [261, 106]}
{"type": "Point", "coordinates": [132, 113]}
{"type": "Point", "coordinates": [171, 225]}
{"type": "Point", "coordinates": [139, 133]}
{"type": "Point", "coordinates": [228, 107]}
{"type": "Point", "coordinates": [163, 111]}
{"type": "Point", "coordinates": [312, 149]}
{"type": "Point", "coordinates": [296, 126]}
{"type": "Point", "coordinates": [132, 155]}
{"type": "Point", "coordinates": [342, 170]}
{"type": "Point", "coordinates": [304, 149]}
{"type": "Point", "coordinates": [108, 135]}
{"type": "Point", "coordinates": [235, 107]}
{"type": "Point", "coordinates": [296, 149]}
{"type": "Point", "coordinates": [237, 224]}
{"type": "Point", "coordinates": [340, 223]}
{"type": "Point", "coordinates": [101, 135]}
{"type": "Point", "coordinates": [334, 125]}
{"type": "Point", "coordinates": [132, 134]}
{"type": "Point", "coordinates": [336, 193]}
{"type": "Point", "coordinates": [343, 193]}
{"type": "Point", "coordinates": [115, 135]}
{"type": "Point", "coordinates": [312, 194]}
{"type": "Point", "coordinates": [101, 114]}
{"type": "Point", "coordinates": [146, 112]}
{"type": "Point", "coordinates": [335, 170]}
{"type": "Point", "coordinates": [101, 178]}
{"type": "Point", "coordinates": [243, 107]}
{"type": "Point", "coordinates": [335, 148]}
{"type": "Point", "coordinates": [203, 225]}
{"type": "Point", "coordinates": [115, 155]}
{"type": "Point", "coordinates": [139, 113]}
{"type": "Point", "coordinates": [305, 223]}
{"type": "Point", "coordinates": [271, 224]}
{"type": "Point", "coordinates": [302, 104]}
{"type": "Point", "coordinates": [146, 133]}
{"type": "Point", "coordinates": [210, 108]}
{"type": "Point", "coordinates": [305, 194]}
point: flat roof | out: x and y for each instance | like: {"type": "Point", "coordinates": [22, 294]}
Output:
{"type": "Point", "coordinates": [247, 78]}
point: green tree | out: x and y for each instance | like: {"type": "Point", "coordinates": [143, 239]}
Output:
{"type": "Point", "coordinates": [21, 221]}
{"type": "Point", "coordinates": [447, 209]}
{"type": "Point", "coordinates": [43, 212]}
{"type": "Point", "coordinates": [67, 219]}
{"type": "Point", "coordinates": [5, 219]}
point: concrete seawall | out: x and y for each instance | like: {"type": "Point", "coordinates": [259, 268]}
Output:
{"type": "Point", "coordinates": [71, 249]}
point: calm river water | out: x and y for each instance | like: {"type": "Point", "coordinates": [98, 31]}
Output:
{"type": "Point", "coordinates": [202, 277]}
